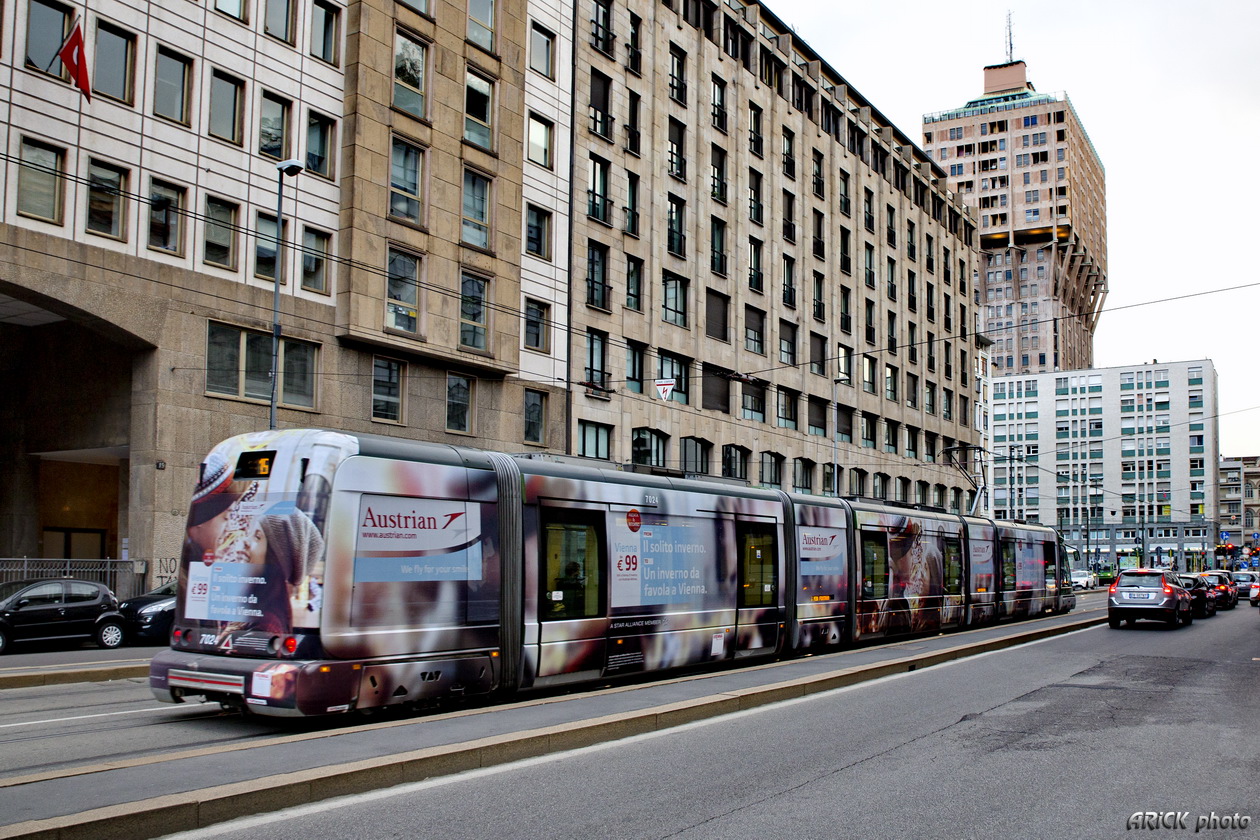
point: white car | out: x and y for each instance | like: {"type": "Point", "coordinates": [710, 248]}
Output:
{"type": "Point", "coordinates": [1082, 579]}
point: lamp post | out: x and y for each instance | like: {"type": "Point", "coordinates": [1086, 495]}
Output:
{"type": "Point", "coordinates": [841, 379]}
{"type": "Point", "coordinates": [284, 168]}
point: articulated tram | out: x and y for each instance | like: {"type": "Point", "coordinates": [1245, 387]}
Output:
{"type": "Point", "coordinates": [325, 572]}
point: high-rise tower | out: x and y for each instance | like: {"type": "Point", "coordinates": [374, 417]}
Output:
{"type": "Point", "coordinates": [1024, 161]}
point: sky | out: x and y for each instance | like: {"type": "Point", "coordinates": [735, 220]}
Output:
{"type": "Point", "coordinates": [1169, 93]}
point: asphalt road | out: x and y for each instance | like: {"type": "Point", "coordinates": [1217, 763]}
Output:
{"type": "Point", "coordinates": [1068, 737]}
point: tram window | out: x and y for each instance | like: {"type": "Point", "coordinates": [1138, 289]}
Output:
{"type": "Point", "coordinates": [874, 565]}
{"type": "Point", "coordinates": [758, 566]}
{"type": "Point", "coordinates": [572, 578]}
{"type": "Point", "coordinates": [953, 566]}
{"type": "Point", "coordinates": [1008, 564]}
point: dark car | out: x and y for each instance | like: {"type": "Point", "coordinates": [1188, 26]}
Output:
{"type": "Point", "coordinates": [148, 617]}
{"type": "Point", "coordinates": [32, 610]}
{"type": "Point", "coordinates": [1226, 589]}
{"type": "Point", "coordinates": [1148, 593]}
{"type": "Point", "coordinates": [1202, 596]}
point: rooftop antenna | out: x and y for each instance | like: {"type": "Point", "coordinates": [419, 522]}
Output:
{"type": "Point", "coordinates": [1010, 44]}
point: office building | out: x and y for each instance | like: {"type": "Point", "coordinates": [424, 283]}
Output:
{"type": "Point", "coordinates": [1121, 460]}
{"type": "Point", "coordinates": [1023, 160]}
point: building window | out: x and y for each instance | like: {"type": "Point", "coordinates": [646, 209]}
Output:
{"type": "Point", "coordinates": [694, 458]}
{"type": "Point", "coordinates": [278, 21]}
{"type": "Point", "coordinates": [634, 284]}
{"type": "Point", "coordinates": [596, 360]}
{"type": "Point", "coordinates": [787, 343]}
{"type": "Point", "coordinates": [539, 141]}
{"type": "Point", "coordinates": [674, 367]}
{"type": "Point", "coordinates": [234, 8]}
{"type": "Point", "coordinates": [753, 402]}
{"type": "Point", "coordinates": [474, 312]}
{"type": "Point", "coordinates": [166, 217]}
{"type": "Point", "coordinates": [789, 406]}
{"type": "Point", "coordinates": [40, 181]}
{"type": "Point", "coordinates": [273, 127]}
{"type": "Point", "coordinates": [402, 287]}
{"type": "Point", "coordinates": [238, 364]}
{"type": "Point", "coordinates": [406, 168]}
{"type": "Point", "coordinates": [535, 416]}
{"type": "Point", "coordinates": [325, 31]}
{"type": "Point", "coordinates": [107, 207]}
{"type": "Point", "coordinates": [677, 74]}
{"type": "Point", "coordinates": [598, 204]}
{"type": "Point", "coordinates": [47, 25]}
{"type": "Point", "coordinates": [421, 6]}
{"type": "Point", "coordinates": [649, 447]}
{"type": "Point", "coordinates": [170, 87]}
{"type": "Point", "coordinates": [754, 330]}
{"type": "Point", "coordinates": [594, 439]}
{"type": "Point", "coordinates": [598, 289]}
{"type": "Point", "coordinates": [459, 402]}
{"type": "Point", "coordinates": [115, 55]}
{"type": "Point", "coordinates": [319, 144]}
{"type": "Point", "coordinates": [479, 110]}
{"type": "Point", "coordinates": [771, 469]}
{"type": "Point", "coordinates": [268, 248]}
{"type": "Point", "coordinates": [225, 107]}
{"type": "Point", "coordinates": [632, 204]}
{"type": "Point", "coordinates": [315, 249]}
{"type": "Point", "coordinates": [674, 300]}
{"type": "Point", "coordinates": [220, 233]}
{"type": "Point", "coordinates": [735, 462]}
{"type": "Point", "coordinates": [387, 389]}
{"type": "Point", "coordinates": [409, 75]}
{"type": "Point", "coordinates": [542, 51]}
{"type": "Point", "coordinates": [675, 220]}
{"type": "Point", "coordinates": [635, 355]}
{"type": "Point", "coordinates": [602, 37]}
{"type": "Point", "coordinates": [481, 23]}
{"type": "Point", "coordinates": [475, 229]}
{"type": "Point", "coordinates": [537, 325]}
{"type": "Point", "coordinates": [537, 232]}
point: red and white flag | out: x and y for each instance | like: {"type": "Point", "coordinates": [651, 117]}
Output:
{"type": "Point", "coordinates": [73, 57]}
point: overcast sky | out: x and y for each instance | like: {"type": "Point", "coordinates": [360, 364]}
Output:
{"type": "Point", "coordinates": [1170, 96]}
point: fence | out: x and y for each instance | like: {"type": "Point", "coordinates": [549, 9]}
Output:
{"type": "Point", "coordinates": [118, 575]}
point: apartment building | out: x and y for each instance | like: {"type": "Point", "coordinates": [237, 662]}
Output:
{"type": "Point", "coordinates": [771, 282]}
{"type": "Point", "coordinates": [147, 229]}
{"type": "Point", "coordinates": [1239, 483]}
{"type": "Point", "coordinates": [1132, 462]}
{"type": "Point", "coordinates": [1024, 161]}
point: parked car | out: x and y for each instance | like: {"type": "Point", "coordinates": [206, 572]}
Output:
{"type": "Point", "coordinates": [148, 617]}
{"type": "Point", "coordinates": [1148, 593]}
{"type": "Point", "coordinates": [1082, 579]}
{"type": "Point", "coordinates": [1226, 589]}
{"type": "Point", "coordinates": [32, 610]}
{"type": "Point", "coordinates": [1254, 595]}
{"type": "Point", "coordinates": [1202, 596]}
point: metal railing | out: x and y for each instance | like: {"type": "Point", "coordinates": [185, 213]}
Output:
{"type": "Point", "coordinates": [119, 575]}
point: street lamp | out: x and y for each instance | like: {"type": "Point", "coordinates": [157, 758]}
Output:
{"type": "Point", "coordinates": [290, 168]}
{"type": "Point", "coordinates": [841, 379]}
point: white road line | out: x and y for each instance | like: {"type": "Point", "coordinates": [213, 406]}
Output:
{"type": "Point", "coordinates": [82, 717]}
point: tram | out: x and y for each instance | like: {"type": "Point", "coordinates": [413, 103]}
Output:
{"type": "Point", "coordinates": [325, 572]}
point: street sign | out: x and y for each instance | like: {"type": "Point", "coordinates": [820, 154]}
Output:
{"type": "Point", "coordinates": [1255, 536]}
{"type": "Point", "coordinates": [1224, 535]}
{"type": "Point", "coordinates": [665, 387]}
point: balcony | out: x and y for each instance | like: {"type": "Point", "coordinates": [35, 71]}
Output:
{"type": "Point", "coordinates": [846, 263]}
{"type": "Point", "coordinates": [603, 39]}
{"type": "Point", "coordinates": [756, 143]}
{"type": "Point", "coordinates": [846, 322]}
{"type": "Point", "coordinates": [632, 221]}
{"type": "Point", "coordinates": [717, 262]}
{"type": "Point", "coordinates": [820, 248]}
{"type": "Point", "coordinates": [891, 234]}
{"type": "Point", "coordinates": [789, 296]}
{"type": "Point", "coordinates": [868, 218]}
{"type": "Point", "coordinates": [718, 189]}
{"type": "Point", "coordinates": [598, 294]}
{"type": "Point", "coordinates": [870, 278]}
{"type": "Point", "coordinates": [820, 186]}
{"type": "Point", "coordinates": [598, 207]}
{"type": "Point", "coordinates": [846, 205]}
{"type": "Point", "coordinates": [634, 140]}
{"type": "Point", "coordinates": [789, 167]}
{"type": "Point", "coordinates": [756, 210]}
{"type": "Point", "coordinates": [789, 230]}
{"type": "Point", "coordinates": [678, 89]}
{"type": "Point", "coordinates": [601, 123]}
{"type": "Point", "coordinates": [677, 165]}
{"type": "Point", "coordinates": [676, 243]}
{"type": "Point", "coordinates": [634, 59]}
{"type": "Point", "coordinates": [756, 280]}
{"type": "Point", "coordinates": [870, 334]}
{"type": "Point", "coordinates": [820, 311]}
{"type": "Point", "coordinates": [719, 118]}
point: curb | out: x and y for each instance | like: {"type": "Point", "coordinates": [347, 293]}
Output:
{"type": "Point", "coordinates": [173, 813]}
{"type": "Point", "coordinates": [28, 679]}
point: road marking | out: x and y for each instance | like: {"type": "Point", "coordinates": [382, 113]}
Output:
{"type": "Point", "coordinates": [84, 717]}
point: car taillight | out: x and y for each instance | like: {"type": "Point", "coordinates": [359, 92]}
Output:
{"type": "Point", "coordinates": [290, 644]}
{"type": "Point", "coordinates": [1167, 589]}
{"type": "Point", "coordinates": [1112, 589]}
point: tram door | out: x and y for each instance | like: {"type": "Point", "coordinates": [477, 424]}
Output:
{"type": "Point", "coordinates": [572, 602]}
{"type": "Point", "coordinates": [759, 613]}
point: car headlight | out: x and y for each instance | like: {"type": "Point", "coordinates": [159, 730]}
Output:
{"type": "Point", "coordinates": [158, 606]}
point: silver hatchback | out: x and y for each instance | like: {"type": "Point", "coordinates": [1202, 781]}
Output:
{"type": "Point", "coordinates": [1148, 593]}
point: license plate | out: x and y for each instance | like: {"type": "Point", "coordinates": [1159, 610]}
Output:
{"type": "Point", "coordinates": [1139, 596]}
